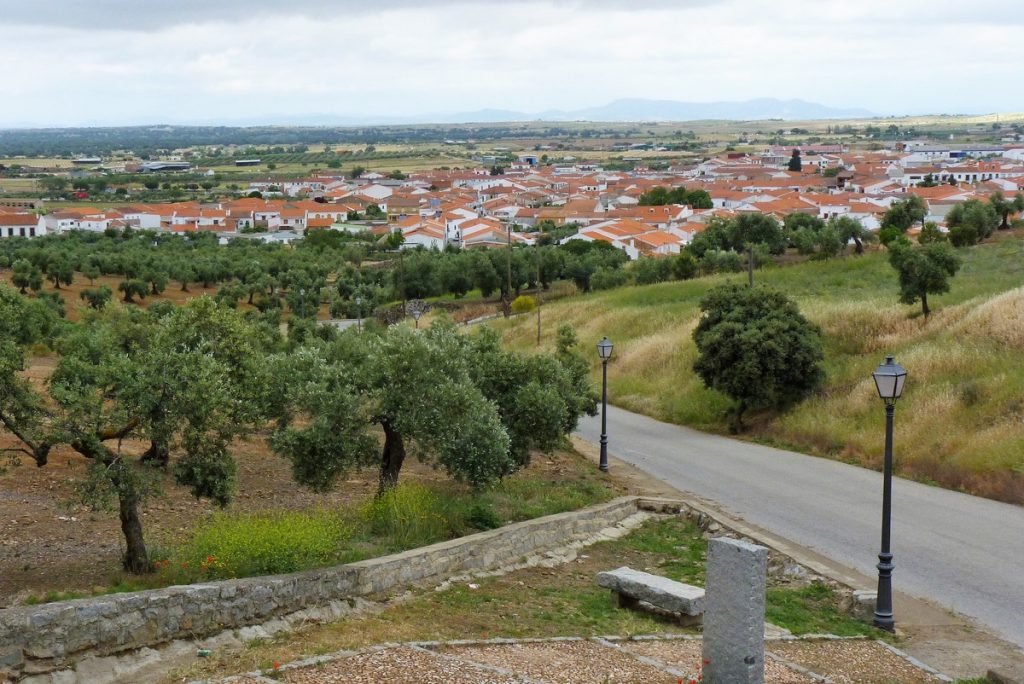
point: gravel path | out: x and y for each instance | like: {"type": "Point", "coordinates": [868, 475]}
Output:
{"type": "Point", "coordinates": [398, 665]}
{"type": "Point", "coordinates": [576, 661]}
{"type": "Point", "coordinates": [851, 662]}
{"type": "Point", "coordinates": [685, 654]}
{"type": "Point", "coordinates": [566, 662]}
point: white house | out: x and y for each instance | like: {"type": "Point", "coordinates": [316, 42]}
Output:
{"type": "Point", "coordinates": [21, 225]}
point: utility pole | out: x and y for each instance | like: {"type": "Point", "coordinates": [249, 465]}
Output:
{"type": "Point", "coordinates": [538, 294]}
{"type": "Point", "coordinates": [506, 303]}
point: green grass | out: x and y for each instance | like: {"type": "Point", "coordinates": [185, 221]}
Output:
{"type": "Point", "coordinates": [812, 609]}
{"type": "Point", "coordinates": [958, 423]}
{"type": "Point", "coordinates": [546, 602]}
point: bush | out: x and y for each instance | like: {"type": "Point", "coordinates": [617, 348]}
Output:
{"type": "Point", "coordinates": [963, 236]}
{"type": "Point", "coordinates": [888, 235]}
{"type": "Point", "coordinates": [523, 304]}
{"type": "Point", "coordinates": [232, 545]}
{"type": "Point", "coordinates": [483, 517]}
{"type": "Point", "coordinates": [684, 266]}
{"type": "Point", "coordinates": [931, 233]}
{"type": "Point", "coordinates": [755, 347]}
{"type": "Point", "coordinates": [605, 278]}
{"type": "Point", "coordinates": [720, 261]}
{"type": "Point", "coordinates": [651, 270]}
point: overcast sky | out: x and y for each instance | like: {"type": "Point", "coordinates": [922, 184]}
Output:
{"type": "Point", "coordinates": [87, 62]}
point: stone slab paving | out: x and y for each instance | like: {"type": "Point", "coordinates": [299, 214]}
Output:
{"type": "Point", "coordinates": [611, 660]}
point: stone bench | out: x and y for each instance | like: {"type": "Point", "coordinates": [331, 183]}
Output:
{"type": "Point", "coordinates": [630, 587]}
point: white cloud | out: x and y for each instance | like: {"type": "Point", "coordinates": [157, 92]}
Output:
{"type": "Point", "coordinates": [228, 60]}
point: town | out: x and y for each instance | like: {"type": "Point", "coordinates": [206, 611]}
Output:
{"type": "Point", "coordinates": [492, 206]}
{"type": "Point", "coordinates": [539, 341]}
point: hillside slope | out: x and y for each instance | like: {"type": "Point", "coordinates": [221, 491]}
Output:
{"type": "Point", "coordinates": [960, 423]}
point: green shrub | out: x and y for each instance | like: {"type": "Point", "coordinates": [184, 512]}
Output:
{"type": "Point", "coordinates": [605, 278]}
{"type": "Point", "coordinates": [482, 516]}
{"type": "Point", "coordinates": [233, 545]}
{"type": "Point", "coordinates": [523, 304]}
{"type": "Point", "coordinates": [410, 515]}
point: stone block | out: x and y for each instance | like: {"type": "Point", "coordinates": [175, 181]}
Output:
{"type": "Point", "coordinates": [661, 592]}
{"type": "Point", "coordinates": [734, 612]}
{"type": "Point", "coordinates": [97, 670]}
{"type": "Point", "coordinates": [11, 658]}
{"type": "Point", "coordinates": [863, 604]}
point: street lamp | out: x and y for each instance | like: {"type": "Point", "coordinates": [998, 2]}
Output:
{"type": "Point", "coordinates": [415, 308]}
{"type": "Point", "coordinates": [359, 314]}
{"type": "Point", "coordinates": [604, 350]}
{"type": "Point", "coordinates": [889, 379]}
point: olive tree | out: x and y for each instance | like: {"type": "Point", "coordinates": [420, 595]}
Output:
{"type": "Point", "coordinates": [187, 381]}
{"type": "Point", "coordinates": [25, 274]}
{"type": "Point", "coordinates": [971, 222]}
{"type": "Point", "coordinates": [923, 270]}
{"type": "Point", "coordinates": [464, 404]}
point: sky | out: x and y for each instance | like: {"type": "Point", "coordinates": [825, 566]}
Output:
{"type": "Point", "coordinates": [114, 62]}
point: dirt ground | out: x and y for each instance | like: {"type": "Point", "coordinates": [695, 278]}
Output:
{"type": "Point", "coordinates": [73, 303]}
{"type": "Point", "coordinates": [47, 543]}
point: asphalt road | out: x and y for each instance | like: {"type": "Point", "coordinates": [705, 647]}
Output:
{"type": "Point", "coordinates": [961, 551]}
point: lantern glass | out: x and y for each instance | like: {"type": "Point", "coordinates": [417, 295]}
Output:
{"type": "Point", "coordinates": [889, 380]}
{"type": "Point", "coordinates": [604, 349]}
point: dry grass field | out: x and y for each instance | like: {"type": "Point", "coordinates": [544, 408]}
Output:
{"type": "Point", "coordinates": [961, 421]}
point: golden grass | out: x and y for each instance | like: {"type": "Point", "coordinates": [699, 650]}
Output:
{"type": "Point", "coordinates": [960, 423]}
{"type": "Point", "coordinates": [1000, 319]}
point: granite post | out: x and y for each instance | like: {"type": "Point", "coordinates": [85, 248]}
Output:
{"type": "Point", "coordinates": [734, 612]}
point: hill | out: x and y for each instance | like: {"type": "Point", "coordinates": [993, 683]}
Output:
{"type": "Point", "coordinates": [960, 423]}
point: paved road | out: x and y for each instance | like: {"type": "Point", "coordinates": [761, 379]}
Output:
{"type": "Point", "coordinates": [961, 551]}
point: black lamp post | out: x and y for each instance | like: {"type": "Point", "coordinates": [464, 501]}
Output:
{"type": "Point", "coordinates": [415, 308]}
{"type": "Point", "coordinates": [359, 314]}
{"type": "Point", "coordinates": [889, 379]}
{"type": "Point", "coordinates": [604, 350]}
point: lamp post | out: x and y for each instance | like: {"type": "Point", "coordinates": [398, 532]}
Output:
{"type": "Point", "coordinates": [604, 350]}
{"type": "Point", "coordinates": [415, 308]}
{"type": "Point", "coordinates": [359, 314]}
{"type": "Point", "coordinates": [889, 379]}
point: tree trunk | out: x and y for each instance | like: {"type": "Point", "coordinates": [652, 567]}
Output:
{"type": "Point", "coordinates": [136, 558]}
{"type": "Point", "coordinates": [736, 426]}
{"type": "Point", "coordinates": [858, 246]}
{"type": "Point", "coordinates": [158, 455]}
{"type": "Point", "coordinates": [1006, 221]}
{"type": "Point", "coordinates": [391, 459]}
{"type": "Point", "coordinates": [924, 304]}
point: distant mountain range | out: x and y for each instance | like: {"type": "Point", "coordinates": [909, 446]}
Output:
{"type": "Point", "coordinates": [632, 109]}
{"type": "Point", "coordinates": [636, 109]}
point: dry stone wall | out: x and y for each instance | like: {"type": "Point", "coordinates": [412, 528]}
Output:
{"type": "Point", "coordinates": [48, 637]}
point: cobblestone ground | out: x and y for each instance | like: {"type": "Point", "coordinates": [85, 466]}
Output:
{"type": "Point", "coordinates": [654, 660]}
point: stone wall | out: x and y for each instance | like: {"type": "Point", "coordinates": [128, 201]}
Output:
{"type": "Point", "coordinates": [50, 636]}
